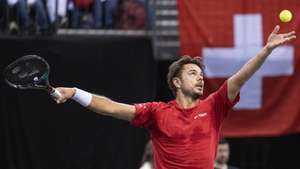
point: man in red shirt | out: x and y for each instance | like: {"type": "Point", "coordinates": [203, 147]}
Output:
{"type": "Point", "coordinates": [185, 131]}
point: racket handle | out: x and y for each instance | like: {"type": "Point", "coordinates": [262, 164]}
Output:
{"type": "Point", "coordinates": [55, 93]}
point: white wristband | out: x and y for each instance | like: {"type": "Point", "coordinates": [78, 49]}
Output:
{"type": "Point", "coordinates": [82, 97]}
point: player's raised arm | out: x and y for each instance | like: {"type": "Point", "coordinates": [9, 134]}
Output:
{"type": "Point", "coordinates": [274, 40]}
{"type": "Point", "coordinates": [99, 104]}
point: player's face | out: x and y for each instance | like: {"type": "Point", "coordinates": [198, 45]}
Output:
{"type": "Point", "coordinates": [192, 82]}
{"type": "Point", "coordinates": [222, 153]}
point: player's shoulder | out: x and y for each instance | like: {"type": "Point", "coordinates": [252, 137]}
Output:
{"type": "Point", "coordinates": [160, 105]}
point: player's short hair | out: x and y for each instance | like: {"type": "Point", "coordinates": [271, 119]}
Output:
{"type": "Point", "coordinates": [175, 69]}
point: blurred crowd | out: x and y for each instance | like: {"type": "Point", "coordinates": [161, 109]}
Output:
{"type": "Point", "coordinates": [45, 16]}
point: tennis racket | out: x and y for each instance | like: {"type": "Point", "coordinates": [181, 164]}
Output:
{"type": "Point", "coordinates": [30, 72]}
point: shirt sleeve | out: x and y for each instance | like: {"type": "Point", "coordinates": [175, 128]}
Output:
{"type": "Point", "coordinates": [222, 103]}
{"type": "Point", "coordinates": [144, 114]}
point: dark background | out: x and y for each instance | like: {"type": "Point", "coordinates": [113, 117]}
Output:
{"type": "Point", "coordinates": [36, 133]}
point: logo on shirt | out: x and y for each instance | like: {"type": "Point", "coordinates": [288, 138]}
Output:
{"type": "Point", "coordinates": [200, 115]}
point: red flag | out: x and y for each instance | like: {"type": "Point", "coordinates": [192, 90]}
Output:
{"type": "Point", "coordinates": [227, 34]}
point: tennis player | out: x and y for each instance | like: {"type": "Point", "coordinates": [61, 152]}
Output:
{"type": "Point", "coordinates": [185, 131]}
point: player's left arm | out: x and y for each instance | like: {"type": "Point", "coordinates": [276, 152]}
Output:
{"type": "Point", "coordinates": [236, 81]}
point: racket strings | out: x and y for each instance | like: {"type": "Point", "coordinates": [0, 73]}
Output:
{"type": "Point", "coordinates": [28, 72]}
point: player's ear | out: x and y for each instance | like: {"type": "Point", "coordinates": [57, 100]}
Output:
{"type": "Point", "coordinates": [177, 82]}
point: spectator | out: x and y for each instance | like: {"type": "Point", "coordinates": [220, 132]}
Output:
{"type": "Point", "coordinates": [80, 7]}
{"type": "Point", "coordinates": [105, 9]}
{"type": "Point", "coordinates": [21, 10]}
{"type": "Point", "coordinates": [103, 13]}
{"type": "Point", "coordinates": [18, 15]}
{"type": "Point", "coordinates": [57, 15]}
{"type": "Point", "coordinates": [223, 152]}
{"type": "Point", "coordinates": [148, 162]}
{"type": "Point", "coordinates": [132, 15]}
{"type": "Point", "coordinates": [40, 15]}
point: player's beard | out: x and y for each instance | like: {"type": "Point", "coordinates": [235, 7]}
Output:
{"type": "Point", "coordinates": [192, 94]}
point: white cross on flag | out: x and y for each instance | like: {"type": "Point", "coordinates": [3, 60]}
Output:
{"type": "Point", "coordinates": [226, 34]}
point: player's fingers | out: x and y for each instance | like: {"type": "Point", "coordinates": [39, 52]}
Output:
{"type": "Point", "coordinates": [286, 40]}
{"type": "Point", "coordinates": [60, 101]}
{"type": "Point", "coordinates": [276, 29]}
{"type": "Point", "coordinates": [57, 100]}
{"type": "Point", "coordinates": [59, 89]}
{"type": "Point", "coordinates": [291, 37]}
{"type": "Point", "coordinates": [289, 34]}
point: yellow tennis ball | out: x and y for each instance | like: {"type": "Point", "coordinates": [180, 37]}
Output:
{"type": "Point", "coordinates": [285, 16]}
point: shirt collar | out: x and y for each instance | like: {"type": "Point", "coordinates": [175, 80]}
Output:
{"type": "Point", "coordinates": [174, 102]}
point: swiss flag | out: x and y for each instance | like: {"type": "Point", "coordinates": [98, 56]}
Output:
{"type": "Point", "coordinates": [228, 33]}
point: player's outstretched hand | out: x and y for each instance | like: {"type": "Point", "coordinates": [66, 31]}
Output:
{"type": "Point", "coordinates": [276, 39]}
{"type": "Point", "coordinates": [66, 93]}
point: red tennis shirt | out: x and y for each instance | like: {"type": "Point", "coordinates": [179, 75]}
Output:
{"type": "Point", "coordinates": [185, 138]}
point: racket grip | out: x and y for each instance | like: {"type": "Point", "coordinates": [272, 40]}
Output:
{"type": "Point", "coordinates": [55, 93]}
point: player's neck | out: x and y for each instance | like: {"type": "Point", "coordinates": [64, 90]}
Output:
{"type": "Point", "coordinates": [186, 102]}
